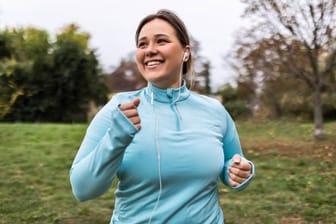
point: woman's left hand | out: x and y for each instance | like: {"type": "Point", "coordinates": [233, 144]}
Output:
{"type": "Point", "coordinates": [239, 170]}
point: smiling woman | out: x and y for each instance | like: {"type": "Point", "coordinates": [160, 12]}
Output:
{"type": "Point", "coordinates": [168, 146]}
{"type": "Point", "coordinates": [160, 55]}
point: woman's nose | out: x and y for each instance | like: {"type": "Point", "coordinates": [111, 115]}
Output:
{"type": "Point", "coordinates": [151, 50]}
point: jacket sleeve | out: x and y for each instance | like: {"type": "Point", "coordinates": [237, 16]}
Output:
{"type": "Point", "coordinates": [101, 152]}
{"type": "Point", "coordinates": [231, 146]}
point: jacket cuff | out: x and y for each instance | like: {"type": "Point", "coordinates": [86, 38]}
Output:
{"type": "Point", "coordinates": [246, 182]}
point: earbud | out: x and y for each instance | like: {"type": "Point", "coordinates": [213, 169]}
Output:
{"type": "Point", "coordinates": [185, 56]}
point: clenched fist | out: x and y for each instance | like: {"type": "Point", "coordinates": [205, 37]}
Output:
{"type": "Point", "coordinates": [239, 170]}
{"type": "Point", "coordinates": [131, 112]}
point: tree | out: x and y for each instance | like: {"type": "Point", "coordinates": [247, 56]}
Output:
{"type": "Point", "coordinates": [76, 76]}
{"type": "Point", "coordinates": [24, 66]}
{"type": "Point", "coordinates": [267, 82]}
{"type": "Point", "coordinates": [42, 80]}
{"type": "Point", "coordinates": [234, 100]}
{"type": "Point", "coordinates": [250, 66]}
{"type": "Point", "coordinates": [311, 24]}
{"type": "Point", "coordinates": [205, 74]}
{"type": "Point", "coordinates": [201, 81]}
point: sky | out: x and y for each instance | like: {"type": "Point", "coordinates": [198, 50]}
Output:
{"type": "Point", "coordinates": [112, 24]}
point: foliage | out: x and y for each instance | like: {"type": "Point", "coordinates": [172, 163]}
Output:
{"type": "Point", "coordinates": [42, 80]}
{"type": "Point", "coordinates": [267, 79]}
{"type": "Point", "coordinates": [294, 180]}
{"type": "Point", "coordinates": [291, 41]}
{"type": "Point", "coordinates": [205, 75]}
{"type": "Point", "coordinates": [200, 80]}
{"type": "Point", "coordinates": [23, 66]}
{"type": "Point", "coordinates": [234, 102]}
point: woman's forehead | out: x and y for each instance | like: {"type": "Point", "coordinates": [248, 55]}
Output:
{"type": "Point", "coordinates": [156, 27]}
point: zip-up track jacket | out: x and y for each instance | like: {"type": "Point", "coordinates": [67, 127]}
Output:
{"type": "Point", "coordinates": [168, 171]}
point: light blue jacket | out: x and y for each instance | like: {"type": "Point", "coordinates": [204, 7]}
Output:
{"type": "Point", "coordinates": [168, 171]}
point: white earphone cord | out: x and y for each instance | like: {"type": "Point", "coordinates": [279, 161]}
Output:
{"type": "Point", "coordinates": [180, 79]}
{"type": "Point", "coordinates": [158, 154]}
{"type": "Point", "coordinates": [157, 145]}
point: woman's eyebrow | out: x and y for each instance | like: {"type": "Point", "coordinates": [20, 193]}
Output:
{"type": "Point", "coordinates": [156, 36]}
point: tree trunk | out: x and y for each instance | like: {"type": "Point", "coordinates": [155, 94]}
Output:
{"type": "Point", "coordinates": [318, 115]}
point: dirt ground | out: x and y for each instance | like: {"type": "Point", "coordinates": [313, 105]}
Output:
{"type": "Point", "coordinates": [322, 150]}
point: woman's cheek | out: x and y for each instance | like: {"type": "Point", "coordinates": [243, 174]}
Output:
{"type": "Point", "coordinates": [139, 58]}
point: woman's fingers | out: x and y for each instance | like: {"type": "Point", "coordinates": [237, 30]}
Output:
{"type": "Point", "coordinates": [135, 120]}
{"type": "Point", "coordinates": [129, 105]}
{"type": "Point", "coordinates": [233, 183]}
{"type": "Point", "coordinates": [239, 170]}
{"type": "Point", "coordinates": [131, 112]}
{"type": "Point", "coordinates": [235, 180]}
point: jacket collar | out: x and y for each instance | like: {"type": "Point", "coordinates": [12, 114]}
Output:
{"type": "Point", "coordinates": [170, 95]}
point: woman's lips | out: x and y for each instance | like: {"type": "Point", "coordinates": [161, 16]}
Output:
{"type": "Point", "coordinates": [153, 64]}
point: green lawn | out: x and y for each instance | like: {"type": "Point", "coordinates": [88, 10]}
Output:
{"type": "Point", "coordinates": [295, 179]}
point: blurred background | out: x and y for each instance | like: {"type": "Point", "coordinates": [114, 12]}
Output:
{"type": "Point", "coordinates": [272, 63]}
{"type": "Point", "coordinates": [61, 61]}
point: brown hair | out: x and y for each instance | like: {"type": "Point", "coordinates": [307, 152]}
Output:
{"type": "Point", "coordinates": [179, 27]}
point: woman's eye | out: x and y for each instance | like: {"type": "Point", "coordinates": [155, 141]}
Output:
{"type": "Point", "coordinates": [141, 45]}
{"type": "Point", "coordinates": [162, 41]}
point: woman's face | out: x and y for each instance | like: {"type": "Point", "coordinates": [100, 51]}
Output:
{"type": "Point", "coordinates": [159, 54]}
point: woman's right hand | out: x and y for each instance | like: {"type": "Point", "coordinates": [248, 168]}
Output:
{"type": "Point", "coordinates": [131, 112]}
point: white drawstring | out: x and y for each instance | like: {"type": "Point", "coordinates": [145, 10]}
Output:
{"type": "Point", "coordinates": [158, 154]}
{"type": "Point", "coordinates": [152, 97]}
{"type": "Point", "coordinates": [157, 145]}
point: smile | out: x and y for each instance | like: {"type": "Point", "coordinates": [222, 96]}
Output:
{"type": "Point", "coordinates": [153, 63]}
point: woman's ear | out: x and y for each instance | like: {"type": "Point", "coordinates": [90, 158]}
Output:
{"type": "Point", "coordinates": [186, 54]}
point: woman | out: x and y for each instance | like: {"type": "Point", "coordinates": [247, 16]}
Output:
{"type": "Point", "coordinates": [167, 145]}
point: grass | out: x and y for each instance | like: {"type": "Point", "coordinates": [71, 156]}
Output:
{"type": "Point", "coordinates": [295, 180]}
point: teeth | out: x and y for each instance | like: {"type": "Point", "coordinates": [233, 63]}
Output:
{"type": "Point", "coordinates": [153, 63]}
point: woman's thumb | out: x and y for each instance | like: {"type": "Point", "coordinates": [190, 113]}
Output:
{"type": "Point", "coordinates": [236, 159]}
{"type": "Point", "coordinates": [136, 102]}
